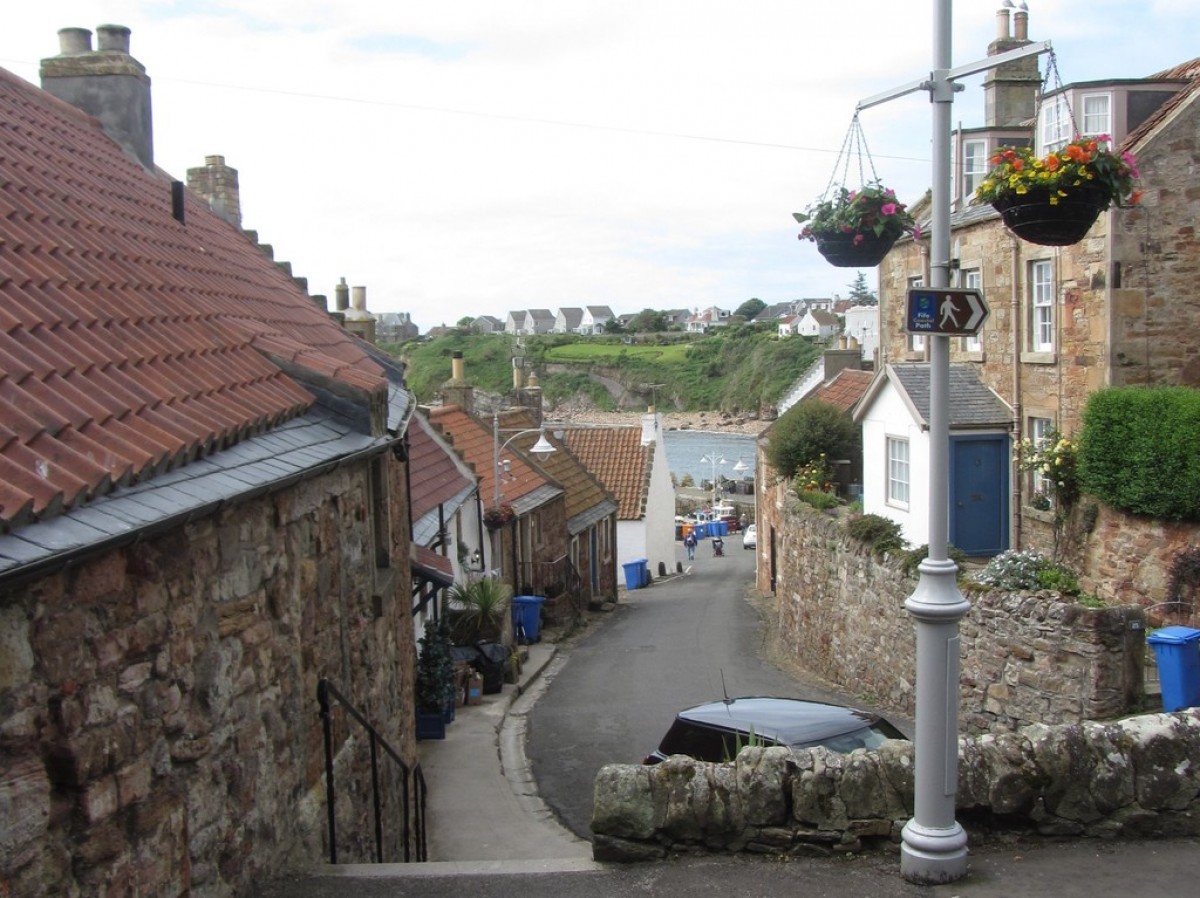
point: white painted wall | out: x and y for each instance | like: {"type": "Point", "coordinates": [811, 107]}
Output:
{"type": "Point", "coordinates": [888, 416]}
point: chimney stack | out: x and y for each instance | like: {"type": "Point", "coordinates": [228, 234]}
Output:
{"type": "Point", "coordinates": [106, 83]}
{"type": "Point", "coordinates": [357, 319]}
{"type": "Point", "coordinates": [218, 184]}
{"type": "Point", "coordinates": [1010, 90]}
{"type": "Point", "coordinates": [456, 391]}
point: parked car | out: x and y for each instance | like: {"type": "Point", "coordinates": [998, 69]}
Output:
{"type": "Point", "coordinates": [750, 537]}
{"type": "Point", "coordinates": [716, 731]}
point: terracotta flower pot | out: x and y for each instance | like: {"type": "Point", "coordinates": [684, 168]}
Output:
{"type": "Point", "coordinates": [1033, 218]}
{"type": "Point", "coordinates": [841, 250]}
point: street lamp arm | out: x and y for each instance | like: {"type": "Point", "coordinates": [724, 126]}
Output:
{"type": "Point", "coordinates": [540, 448]}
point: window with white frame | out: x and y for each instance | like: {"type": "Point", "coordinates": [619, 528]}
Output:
{"type": "Point", "coordinates": [897, 468]}
{"type": "Point", "coordinates": [1040, 488]}
{"type": "Point", "coordinates": [916, 342]}
{"type": "Point", "coordinates": [975, 166]}
{"type": "Point", "coordinates": [1041, 290]}
{"type": "Point", "coordinates": [973, 278]}
{"type": "Point", "coordinates": [1055, 125]}
{"type": "Point", "coordinates": [1097, 115]}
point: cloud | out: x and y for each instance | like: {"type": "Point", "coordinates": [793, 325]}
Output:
{"type": "Point", "coordinates": [473, 157]}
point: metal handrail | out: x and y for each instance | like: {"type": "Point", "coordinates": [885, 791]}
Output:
{"type": "Point", "coordinates": [414, 812]}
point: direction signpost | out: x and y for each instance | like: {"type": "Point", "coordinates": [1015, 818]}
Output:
{"type": "Point", "coordinates": [952, 311]}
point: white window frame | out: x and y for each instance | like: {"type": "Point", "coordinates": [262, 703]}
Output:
{"type": "Point", "coordinates": [1041, 305]}
{"type": "Point", "coordinates": [974, 166]}
{"type": "Point", "coordinates": [973, 278]}
{"type": "Point", "coordinates": [899, 471]}
{"type": "Point", "coordinates": [1038, 480]}
{"type": "Point", "coordinates": [916, 342]}
{"type": "Point", "coordinates": [1092, 123]}
{"type": "Point", "coordinates": [1054, 125]}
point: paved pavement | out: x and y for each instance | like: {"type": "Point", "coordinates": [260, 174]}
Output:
{"type": "Point", "coordinates": [491, 835]}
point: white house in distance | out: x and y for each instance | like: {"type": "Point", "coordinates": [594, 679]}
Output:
{"type": "Point", "coordinates": [595, 319]}
{"type": "Point", "coordinates": [818, 323]}
{"type": "Point", "coordinates": [567, 320]}
{"type": "Point", "coordinates": [862, 323]}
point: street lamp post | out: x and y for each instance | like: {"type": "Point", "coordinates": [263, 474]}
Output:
{"type": "Point", "coordinates": [541, 449]}
{"type": "Point", "coordinates": [714, 460]}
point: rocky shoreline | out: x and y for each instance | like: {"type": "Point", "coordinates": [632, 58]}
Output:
{"type": "Point", "coordinates": [709, 421]}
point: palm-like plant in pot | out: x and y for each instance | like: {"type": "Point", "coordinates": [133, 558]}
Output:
{"type": "Point", "coordinates": [478, 608]}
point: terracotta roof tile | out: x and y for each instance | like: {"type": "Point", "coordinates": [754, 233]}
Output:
{"type": "Point", "coordinates": [615, 455]}
{"type": "Point", "coordinates": [130, 341]}
{"type": "Point", "coordinates": [436, 478]}
{"type": "Point", "coordinates": [846, 388]}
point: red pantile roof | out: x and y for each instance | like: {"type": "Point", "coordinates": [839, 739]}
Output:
{"type": "Point", "coordinates": [472, 440]}
{"type": "Point", "coordinates": [130, 342]}
{"type": "Point", "coordinates": [845, 389]}
{"type": "Point", "coordinates": [617, 457]}
{"type": "Point", "coordinates": [436, 478]}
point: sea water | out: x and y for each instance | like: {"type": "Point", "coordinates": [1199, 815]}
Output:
{"type": "Point", "coordinates": [689, 451]}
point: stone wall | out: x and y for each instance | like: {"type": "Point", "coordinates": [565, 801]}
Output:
{"type": "Point", "coordinates": [1025, 658]}
{"type": "Point", "coordinates": [1137, 778]}
{"type": "Point", "coordinates": [159, 731]}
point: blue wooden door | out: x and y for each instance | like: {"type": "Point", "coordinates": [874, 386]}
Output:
{"type": "Point", "coordinates": [979, 494]}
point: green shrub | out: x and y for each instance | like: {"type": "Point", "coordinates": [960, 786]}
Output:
{"type": "Point", "coordinates": [818, 499]}
{"type": "Point", "coordinates": [1017, 571]}
{"type": "Point", "coordinates": [807, 431]}
{"type": "Point", "coordinates": [910, 559]}
{"type": "Point", "coordinates": [879, 533]}
{"type": "Point", "coordinates": [1140, 451]}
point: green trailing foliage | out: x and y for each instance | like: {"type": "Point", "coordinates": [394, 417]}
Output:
{"type": "Point", "coordinates": [1140, 451]}
{"type": "Point", "coordinates": [882, 535]}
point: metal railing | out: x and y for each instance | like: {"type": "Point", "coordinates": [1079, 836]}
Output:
{"type": "Point", "coordinates": [413, 791]}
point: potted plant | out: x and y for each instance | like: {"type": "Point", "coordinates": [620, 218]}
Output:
{"type": "Point", "coordinates": [477, 609]}
{"type": "Point", "coordinates": [1054, 200]}
{"type": "Point", "coordinates": [497, 516]}
{"type": "Point", "coordinates": [856, 228]}
{"type": "Point", "coordinates": [434, 681]}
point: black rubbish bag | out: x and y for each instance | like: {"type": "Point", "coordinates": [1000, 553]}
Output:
{"type": "Point", "coordinates": [492, 660]}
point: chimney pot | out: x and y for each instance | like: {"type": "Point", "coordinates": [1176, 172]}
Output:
{"type": "Point", "coordinates": [1021, 25]}
{"type": "Point", "coordinates": [457, 367]}
{"type": "Point", "coordinates": [113, 37]}
{"type": "Point", "coordinates": [74, 40]}
{"type": "Point", "coordinates": [1002, 32]}
{"type": "Point", "coordinates": [341, 296]}
{"type": "Point", "coordinates": [358, 298]}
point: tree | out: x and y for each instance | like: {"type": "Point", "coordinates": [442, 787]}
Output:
{"type": "Point", "coordinates": [749, 309]}
{"type": "Point", "coordinates": [807, 431]}
{"type": "Point", "coordinates": [860, 292]}
{"type": "Point", "coordinates": [465, 321]}
{"type": "Point", "coordinates": [648, 321]}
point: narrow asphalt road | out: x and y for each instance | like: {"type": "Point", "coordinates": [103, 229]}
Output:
{"type": "Point", "coordinates": [614, 692]}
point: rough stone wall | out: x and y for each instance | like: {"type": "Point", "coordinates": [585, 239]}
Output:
{"type": "Point", "coordinates": [159, 726]}
{"type": "Point", "coordinates": [1025, 658]}
{"type": "Point", "coordinates": [1136, 778]}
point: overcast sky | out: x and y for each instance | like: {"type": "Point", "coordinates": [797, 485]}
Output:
{"type": "Point", "coordinates": [467, 157]}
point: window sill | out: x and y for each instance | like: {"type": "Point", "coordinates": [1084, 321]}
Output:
{"type": "Point", "coordinates": [1039, 358]}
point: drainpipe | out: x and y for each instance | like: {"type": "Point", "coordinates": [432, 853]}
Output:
{"type": "Point", "coordinates": [1018, 429]}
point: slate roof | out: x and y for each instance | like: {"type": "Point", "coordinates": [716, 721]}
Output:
{"type": "Point", "coordinates": [132, 344]}
{"type": "Point", "coordinates": [616, 456]}
{"type": "Point", "coordinates": [523, 487]}
{"type": "Point", "coordinates": [571, 317]}
{"type": "Point", "coordinates": [972, 405]}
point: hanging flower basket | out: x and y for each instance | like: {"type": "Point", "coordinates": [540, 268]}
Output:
{"type": "Point", "coordinates": [1054, 200]}
{"type": "Point", "coordinates": [856, 228]}
{"type": "Point", "coordinates": [1045, 217]}
{"type": "Point", "coordinates": [851, 250]}
{"type": "Point", "coordinates": [497, 516]}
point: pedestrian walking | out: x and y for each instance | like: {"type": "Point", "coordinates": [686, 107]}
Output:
{"type": "Point", "coordinates": [689, 543]}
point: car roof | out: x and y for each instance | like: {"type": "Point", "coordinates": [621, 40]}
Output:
{"type": "Point", "coordinates": [789, 721]}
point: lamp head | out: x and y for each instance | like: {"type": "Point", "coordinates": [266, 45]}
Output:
{"type": "Point", "coordinates": [542, 447]}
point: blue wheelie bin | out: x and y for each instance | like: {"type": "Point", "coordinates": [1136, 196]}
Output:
{"type": "Point", "coordinates": [527, 618]}
{"type": "Point", "coordinates": [1177, 651]}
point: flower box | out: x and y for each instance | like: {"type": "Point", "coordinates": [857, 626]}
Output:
{"type": "Point", "coordinates": [430, 726]}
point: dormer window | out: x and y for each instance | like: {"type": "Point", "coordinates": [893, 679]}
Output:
{"type": "Point", "coordinates": [1097, 115]}
{"type": "Point", "coordinates": [1054, 125]}
{"type": "Point", "coordinates": [975, 166]}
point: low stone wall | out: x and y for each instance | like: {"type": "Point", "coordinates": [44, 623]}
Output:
{"type": "Point", "coordinates": [1025, 658]}
{"type": "Point", "coordinates": [1139, 777]}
